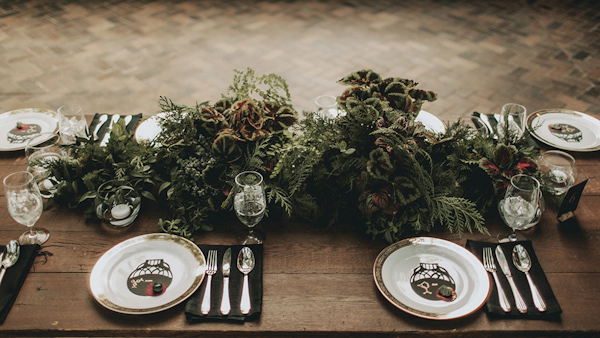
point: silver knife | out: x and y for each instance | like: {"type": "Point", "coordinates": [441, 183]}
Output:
{"type": "Point", "coordinates": [114, 120]}
{"type": "Point", "coordinates": [225, 303]}
{"type": "Point", "coordinates": [506, 270]}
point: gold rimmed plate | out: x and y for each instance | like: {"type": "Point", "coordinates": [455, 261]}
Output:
{"type": "Point", "coordinates": [431, 278]}
{"type": "Point", "coordinates": [147, 274]}
{"type": "Point", "coordinates": [565, 129]}
{"type": "Point", "coordinates": [18, 126]}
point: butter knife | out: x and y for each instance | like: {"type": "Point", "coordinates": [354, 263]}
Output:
{"type": "Point", "coordinates": [114, 120]}
{"type": "Point", "coordinates": [225, 303]}
{"type": "Point", "coordinates": [521, 306]}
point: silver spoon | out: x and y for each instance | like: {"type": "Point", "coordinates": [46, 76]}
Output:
{"type": "Point", "coordinates": [522, 261]}
{"type": "Point", "coordinates": [245, 263]}
{"type": "Point", "coordinates": [10, 257]}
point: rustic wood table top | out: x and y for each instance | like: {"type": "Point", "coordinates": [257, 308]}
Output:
{"type": "Point", "coordinates": [316, 282]}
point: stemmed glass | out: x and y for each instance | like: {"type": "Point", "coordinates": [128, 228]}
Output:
{"type": "Point", "coordinates": [520, 204]}
{"type": "Point", "coordinates": [40, 150]}
{"type": "Point", "coordinates": [25, 205]}
{"type": "Point", "coordinates": [558, 170]}
{"type": "Point", "coordinates": [249, 204]}
{"type": "Point", "coordinates": [512, 119]}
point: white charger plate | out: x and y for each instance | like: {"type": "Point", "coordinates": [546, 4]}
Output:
{"type": "Point", "coordinates": [110, 278]}
{"type": "Point", "coordinates": [431, 122]}
{"type": "Point", "coordinates": [397, 263]}
{"type": "Point", "coordinates": [149, 129]}
{"type": "Point", "coordinates": [39, 121]}
{"type": "Point", "coordinates": [579, 132]}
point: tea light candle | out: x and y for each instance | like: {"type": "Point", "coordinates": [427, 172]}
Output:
{"type": "Point", "coordinates": [120, 211]}
{"type": "Point", "coordinates": [47, 184]}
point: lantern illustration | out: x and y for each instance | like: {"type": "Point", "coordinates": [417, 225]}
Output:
{"type": "Point", "coordinates": [429, 280]}
{"type": "Point", "coordinates": [146, 276]}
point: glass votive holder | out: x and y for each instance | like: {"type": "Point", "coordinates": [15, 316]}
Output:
{"type": "Point", "coordinates": [117, 203]}
{"type": "Point", "coordinates": [40, 151]}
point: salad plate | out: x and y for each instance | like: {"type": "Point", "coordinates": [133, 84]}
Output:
{"type": "Point", "coordinates": [431, 122]}
{"type": "Point", "coordinates": [431, 278]}
{"type": "Point", "coordinates": [18, 126]}
{"type": "Point", "coordinates": [147, 274]}
{"type": "Point", "coordinates": [565, 129]}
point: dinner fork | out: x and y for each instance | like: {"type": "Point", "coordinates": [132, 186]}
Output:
{"type": "Point", "coordinates": [211, 269]}
{"type": "Point", "coordinates": [490, 266]}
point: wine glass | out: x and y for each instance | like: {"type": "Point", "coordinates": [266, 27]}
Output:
{"type": "Point", "coordinates": [249, 204]}
{"type": "Point", "coordinates": [512, 119]}
{"type": "Point", "coordinates": [40, 150]}
{"type": "Point", "coordinates": [520, 204]}
{"type": "Point", "coordinates": [25, 205]}
{"type": "Point", "coordinates": [558, 170]}
{"type": "Point", "coordinates": [71, 123]}
{"type": "Point", "coordinates": [327, 106]}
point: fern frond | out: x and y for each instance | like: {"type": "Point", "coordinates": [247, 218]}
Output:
{"type": "Point", "coordinates": [458, 214]}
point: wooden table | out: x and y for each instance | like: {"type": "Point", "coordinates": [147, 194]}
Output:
{"type": "Point", "coordinates": [316, 282]}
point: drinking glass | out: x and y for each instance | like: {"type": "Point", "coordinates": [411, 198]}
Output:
{"type": "Point", "coordinates": [71, 123]}
{"type": "Point", "coordinates": [512, 118]}
{"type": "Point", "coordinates": [249, 204]}
{"type": "Point", "coordinates": [40, 150]}
{"type": "Point", "coordinates": [520, 204]}
{"type": "Point", "coordinates": [558, 170]}
{"type": "Point", "coordinates": [25, 205]}
{"type": "Point", "coordinates": [327, 106]}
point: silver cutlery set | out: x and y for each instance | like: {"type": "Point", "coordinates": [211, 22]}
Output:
{"type": "Point", "coordinates": [245, 264]}
{"type": "Point", "coordinates": [522, 262]}
{"type": "Point", "coordinates": [9, 257]}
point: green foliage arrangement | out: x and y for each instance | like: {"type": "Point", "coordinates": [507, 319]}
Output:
{"type": "Point", "coordinates": [376, 160]}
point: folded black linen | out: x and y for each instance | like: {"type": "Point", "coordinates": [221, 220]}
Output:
{"type": "Point", "coordinates": [192, 307]}
{"type": "Point", "coordinates": [14, 278]}
{"type": "Point", "coordinates": [492, 306]}
{"type": "Point", "coordinates": [105, 127]}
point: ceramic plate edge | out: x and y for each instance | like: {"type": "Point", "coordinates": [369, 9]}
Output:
{"type": "Point", "coordinates": [35, 111]}
{"type": "Point", "coordinates": [540, 112]}
{"type": "Point", "coordinates": [97, 291]}
{"type": "Point", "coordinates": [386, 252]}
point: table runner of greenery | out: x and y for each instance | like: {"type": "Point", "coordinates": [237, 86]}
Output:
{"type": "Point", "coordinates": [375, 160]}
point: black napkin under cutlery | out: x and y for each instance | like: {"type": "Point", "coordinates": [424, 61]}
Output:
{"type": "Point", "coordinates": [15, 277]}
{"type": "Point", "coordinates": [492, 306]}
{"type": "Point", "coordinates": [106, 124]}
{"type": "Point", "coordinates": [192, 307]}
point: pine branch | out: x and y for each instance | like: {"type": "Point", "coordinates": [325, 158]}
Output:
{"type": "Point", "coordinates": [458, 214]}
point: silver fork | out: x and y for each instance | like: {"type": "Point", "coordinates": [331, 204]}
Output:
{"type": "Point", "coordinates": [490, 266]}
{"type": "Point", "coordinates": [211, 269]}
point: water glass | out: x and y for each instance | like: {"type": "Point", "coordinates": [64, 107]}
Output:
{"type": "Point", "coordinates": [327, 106]}
{"type": "Point", "coordinates": [40, 150]}
{"type": "Point", "coordinates": [512, 119]}
{"type": "Point", "coordinates": [558, 170]}
{"type": "Point", "coordinates": [117, 203]}
{"type": "Point", "coordinates": [71, 123]}
{"type": "Point", "coordinates": [250, 204]}
{"type": "Point", "coordinates": [520, 204]}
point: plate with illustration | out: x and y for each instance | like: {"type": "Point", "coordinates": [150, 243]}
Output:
{"type": "Point", "coordinates": [565, 129]}
{"type": "Point", "coordinates": [147, 274]}
{"type": "Point", "coordinates": [431, 122]}
{"type": "Point", "coordinates": [18, 126]}
{"type": "Point", "coordinates": [431, 278]}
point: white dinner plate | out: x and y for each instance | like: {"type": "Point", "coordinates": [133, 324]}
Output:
{"type": "Point", "coordinates": [431, 122]}
{"type": "Point", "coordinates": [565, 129]}
{"type": "Point", "coordinates": [123, 277]}
{"type": "Point", "coordinates": [34, 121]}
{"type": "Point", "coordinates": [149, 129]}
{"type": "Point", "coordinates": [411, 273]}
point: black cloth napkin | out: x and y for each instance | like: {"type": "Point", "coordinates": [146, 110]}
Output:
{"type": "Point", "coordinates": [492, 306]}
{"type": "Point", "coordinates": [192, 307]}
{"type": "Point", "coordinates": [105, 127]}
{"type": "Point", "coordinates": [14, 278]}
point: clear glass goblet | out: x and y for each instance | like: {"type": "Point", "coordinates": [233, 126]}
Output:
{"type": "Point", "coordinates": [41, 150]}
{"type": "Point", "coordinates": [25, 205]}
{"type": "Point", "coordinates": [327, 106]}
{"type": "Point", "coordinates": [71, 123]}
{"type": "Point", "coordinates": [250, 204]}
{"type": "Point", "coordinates": [512, 120]}
{"type": "Point", "coordinates": [558, 170]}
{"type": "Point", "coordinates": [520, 204]}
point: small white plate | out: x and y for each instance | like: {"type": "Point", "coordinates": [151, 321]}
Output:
{"type": "Point", "coordinates": [149, 129]}
{"type": "Point", "coordinates": [565, 129]}
{"type": "Point", "coordinates": [431, 122]}
{"type": "Point", "coordinates": [34, 120]}
{"type": "Point", "coordinates": [410, 272]}
{"type": "Point", "coordinates": [123, 277]}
